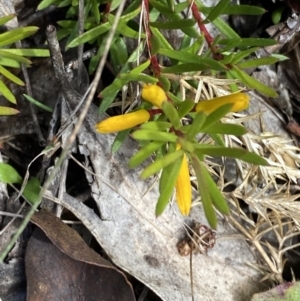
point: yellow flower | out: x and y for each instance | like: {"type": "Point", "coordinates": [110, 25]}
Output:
{"type": "Point", "coordinates": [122, 122]}
{"type": "Point", "coordinates": [239, 100]}
{"type": "Point", "coordinates": [154, 94]}
{"type": "Point", "coordinates": [184, 188]}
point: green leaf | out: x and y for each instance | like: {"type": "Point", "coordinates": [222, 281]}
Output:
{"type": "Point", "coordinates": [166, 185]}
{"type": "Point", "coordinates": [216, 116]}
{"type": "Point", "coordinates": [171, 113]}
{"type": "Point", "coordinates": [239, 9]}
{"type": "Point", "coordinates": [141, 67]}
{"type": "Point", "coordinates": [280, 57]}
{"type": "Point", "coordinates": [225, 29]}
{"type": "Point", "coordinates": [128, 77]}
{"type": "Point", "coordinates": [17, 34]}
{"type": "Point", "coordinates": [178, 24]}
{"type": "Point", "coordinates": [249, 42]}
{"type": "Point", "coordinates": [180, 7]}
{"type": "Point", "coordinates": [204, 190]}
{"type": "Point", "coordinates": [244, 10]}
{"type": "Point", "coordinates": [32, 190]}
{"type": "Point", "coordinates": [107, 101]}
{"type": "Point", "coordinates": [7, 18]}
{"type": "Point", "coordinates": [252, 82]}
{"type": "Point", "coordinates": [161, 39]}
{"type": "Point", "coordinates": [277, 14]}
{"type": "Point", "coordinates": [186, 145]}
{"type": "Point", "coordinates": [112, 90]}
{"type": "Point", "coordinates": [133, 5]}
{"type": "Point", "coordinates": [187, 57]}
{"type": "Point", "coordinates": [38, 104]}
{"type": "Point", "coordinates": [258, 62]}
{"type": "Point", "coordinates": [123, 29]}
{"type": "Point", "coordinates": [8, 174]}
{"type": "Point", "coordinates": [186, 67]}
{"type": "Point", "coordinates": [7, 93]}
{"type": "Point", "coordinates": [4, 61]}
{"type": "Point", "coordinates": [165, 83]}
{"type": "Point", "coordinates": [67, 23]}
{"type": "Point", "coordinates": [237, 153]}
{"type": "Point", "coordinates": [64, 32]}
{"type": "Point", "coordinates": [12, 56]}
{"type": "Point", "coordinates": [156, 125]}
{"type": "Point", "coordinates": [217, 10]}
{"type": "Point", "coordinates": [225, 129]}
{"type": "Point", "coordinates": [45, 3]}
{"type": "Point", "coordinates": [195, 47]}
{"type": "Point", "coordinates": [176, 100]}
{"type": "Point", "coordinates": [118, 54]}
{"type": "Point", "coordinates": [144, 153]}
{"type": "Point", "coordinates": [161, 7]}
{"type": "Point", "coordinates": [185, 107]}
{"type": "Point", "coordinates": [196, 126]}
{"type": "Point", "coordinates": [154, 135]}
{"type": "Point", "coordinates": [115, 4]}
{"type": "Point", "coordinates": [6, 111]}
{"type": "Point", "coordinates": [173, 17]}
{"type": "Point", "coordinates": [227, 58]}
{"type": "Point", "coordinates": [95, 10]}
{"type": "Point", "coordinates": [90, 35]}
{"type": "Point", "coordinates": [218, 139]}
{"type": "Point", "coordinates": [155, 44]}
{"type": "Point", "coordinates": [99, 30]}
{"type": "Point", "coordinates": [216, 196]}
{"type": "Point", "coordinates": [161, 163]}
{"type": "Point", "coordinates": [171, 5]}
{"type": "Point", "coordinates": [242, 54]}
{"type": "Point", "coordinates": [117, 85]}
{"type": "Point", "coordinates": [11, 76]}
{"type": "Point", "coordinates": [119, 140]}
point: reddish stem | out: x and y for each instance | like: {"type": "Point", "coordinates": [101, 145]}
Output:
{"type": "Point", "coordinates": [107, 8]}
{"type": "Point", "coordinates": [153, 112]}
{"type": "Point", "coordinates": [209, 39]}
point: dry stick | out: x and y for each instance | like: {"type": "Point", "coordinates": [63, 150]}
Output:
{"type": "Point", "coordinates": [37, 15]}
{"type": "Point", "coordinates": [191, 274]}
{"type": "Point", "coordinates": [62, 186]}
{"type": "Point", "coordinates": [77, 127]}
{"type": "Point", "coordinates": [69, 96]}
{"type": "Point", "coordinates": [3, 213]}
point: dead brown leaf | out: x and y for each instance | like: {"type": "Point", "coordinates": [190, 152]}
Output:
{"type": "Point", "coordinates": [60, 266]}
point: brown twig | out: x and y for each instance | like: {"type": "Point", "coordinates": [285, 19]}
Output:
{"type": "Point", "coordinates": [209, 39]}
{"type": "Point", "coordinates": [91, 91]}
{"type": "Point", "coordinates": [68, 92]}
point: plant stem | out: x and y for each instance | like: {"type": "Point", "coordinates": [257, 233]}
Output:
{"type": "Point", "coordinates": [209, 39]}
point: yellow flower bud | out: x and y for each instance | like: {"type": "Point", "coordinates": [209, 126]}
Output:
{"type": "Point", "coordinates": [184, 188]}
{"type": "Point", "coordinates": [122, 122]}
{"type": "Point", "coordinates": [154, 94]}
{"type": "Point", "coordinates": [239, 100]}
